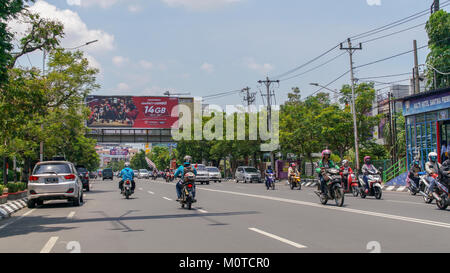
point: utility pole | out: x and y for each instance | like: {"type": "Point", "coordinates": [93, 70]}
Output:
{"type": "Point", "coordinates": [391, 127]}
{"type": "Point", "coordinates": [249, 98]}
{"type": "Point", "coordinates": [416, 69]}
{"type": "Point", "coordinates": [351, 50]}
{"type": "Point", "coordinates": [268, 83]}
{"type": "Point", "coordinates": [435, 7]}
{"type": "Point", "coordinates": [41, 149]}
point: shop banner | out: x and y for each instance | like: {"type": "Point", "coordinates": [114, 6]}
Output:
{"type": "Point", "coordinates": [426, 104]}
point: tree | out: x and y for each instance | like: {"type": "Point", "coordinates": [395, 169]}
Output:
{"type": "Point", "coordinates": [161, 157]}
{"type": "Point", "coordinates": [138, 161]}
{"type": "Point", "coordinates": [438, 29]}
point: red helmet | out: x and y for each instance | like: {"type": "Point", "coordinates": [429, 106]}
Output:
{"type": "Point", "coordinates": [367, 158]}
{"type": "Point", "coordinates": [326, 152]}
{"type": "Point", "coordinates": [293, 165]}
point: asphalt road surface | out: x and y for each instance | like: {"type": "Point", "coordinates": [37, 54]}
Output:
{"type": "Point", "coordinates": [228, 218]}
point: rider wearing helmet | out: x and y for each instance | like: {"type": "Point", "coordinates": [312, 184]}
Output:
{"type": "Point", "coordinates": [127, 174]}
{"type": "Point", "coordinates": [432, 167]}
{"type": "Point", "coordinates": [324, 164]}
{"type": "Point", "coordinates": [367, 169]}
{"type": "Point", "coordinates": [186, 167]}
{"type": "Point", "coordinates": [414, 172]}
{"type": "Point", "coordinates": [346, 170]}
{"type": "Point", "coordinates": [292, 172]}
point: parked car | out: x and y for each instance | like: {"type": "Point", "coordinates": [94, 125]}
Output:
{"type": "Point", "coordinates": [143, 174]}
{"type": "Point", "coordinates": [107, 174]}
{"type": "Point", "coordinates": [214, 174]}
{"type": "Point", "coordinates": [248, 174]}
{"type": "Point", "coordinates": [54, 180]}
{"type": "Point", "coordinates": [84, 175]}
{"type": "Point", "coordinates": [202, 174]}
{"type": "Point", "coordinates": [136, 173]}
{"type": "Point", "coordinates": [93, 175]}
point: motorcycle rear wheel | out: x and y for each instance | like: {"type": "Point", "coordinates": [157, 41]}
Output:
{"type": "Point", "coordinates": [355, 191]}
{"type": "Point", "coordinates": [323, 201]}
{"type": "Point", "coordinates": [443, 204]}
{"type": "Point", "coordinates": [339, 197]}
{"type": "Point", "coordinates": [378, 193]}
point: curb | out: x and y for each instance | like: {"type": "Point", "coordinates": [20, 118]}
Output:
{"type": "Point", "coordinates": [6, 210]}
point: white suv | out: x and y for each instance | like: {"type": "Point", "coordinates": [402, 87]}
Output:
{"type": "Point", "coordinates": [54, 180]}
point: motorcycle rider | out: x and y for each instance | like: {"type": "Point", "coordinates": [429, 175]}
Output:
{"type": "Point", "coordinates": [414, 173]}
{"type": "Point", "coordinates": [432, 167]}
{"type": "Point", "coordinates": [127, 174]}
{"type": "Point", "coordinates": [180, 172]}
{"type": "Point", "coordinates": [367, 169]}
{"type": "Point", "coordinates": [267, 172]}
{"type": "Point", "coordinates": [324, 164]}
{"type": "Point", "coordinates": [346, 171]}
{"type": "Point", "coordinates": [292, 172]}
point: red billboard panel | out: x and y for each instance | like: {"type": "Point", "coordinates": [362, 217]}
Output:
{"type": "Point", "coordinates": [132, 112]}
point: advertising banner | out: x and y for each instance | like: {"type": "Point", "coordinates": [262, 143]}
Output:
{"type": "Point", "coordinates": [132, 112]}
{"type": "Point", "coordinates": [426, 104]}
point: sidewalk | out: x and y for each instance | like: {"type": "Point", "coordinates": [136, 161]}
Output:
{"type": "Point", "coordinates": [7, 209]}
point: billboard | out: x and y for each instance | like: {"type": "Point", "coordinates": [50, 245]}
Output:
{"type": "Point", "coordinates": [132, 112]}
{"type": "Point", "coordinates": [119, 151]}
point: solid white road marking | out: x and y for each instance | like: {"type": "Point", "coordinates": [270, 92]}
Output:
{"type": "Point", "coordinates": [390, 188]}
{"type": "Point", "coordinates": [70, 216]}
{"type": "Point", "coordinates": [151, 192]}
{"type": "Point", "coordinates": [25, 214]}
{"type": "Point", "coordinates": [370, 213]}
{"type": "Point", "coordinates": [286, 241]}
{"type": "Point", "coordinates": [141, 189]}
{"type": "Point", "coordinates": [49, 245]}
{"type": "Point", "coordinates": [168, 199]}
{"type": "Point", "coordinates": [401, 188]}
{"type": "Point", "coordinates": [202, 211]}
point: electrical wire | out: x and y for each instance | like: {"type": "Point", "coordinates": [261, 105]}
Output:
{"type": "Point", "coordinates": [386, 76]}
{"type": "Point", "coordinates": [394, 33]}
{"type": "Point", "coordinates": [330, 83]}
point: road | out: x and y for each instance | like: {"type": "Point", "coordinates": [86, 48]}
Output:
{"type": "Point", "coordinates": [229, 218]}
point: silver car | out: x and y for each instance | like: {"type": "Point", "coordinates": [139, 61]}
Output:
{"type": "Point", "coordinates": [202, 174]}
{"type": "Point", "coordinates": [248, 174]}
{"type": "Point", "coordinates": [143, 174]}
{"type": "Point", "coordinates": [214, 174]}
{"type": "Point", "coordinates": [54, 180]}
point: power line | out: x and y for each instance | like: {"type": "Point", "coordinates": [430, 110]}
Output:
{"type": "Point", "coordinates": [386, 76]}
{"type": "Point", "coordinates": [330, 83]}
{"type": "Point", "coordinates": [391, 34]}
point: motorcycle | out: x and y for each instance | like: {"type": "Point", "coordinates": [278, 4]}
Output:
{"type": "Point", "coordinates": [127, 189]}
{"type": "Point", "coordinates": [334, 190]}
{"type": "Point", "coordinates": [154, 176]}
{"type": "Point", "coordinates": [270, 181]}
{"type": "Point", "coordinates": [350, 183]}
{"type": "Point", "coordinates": [171, 177]}
{"type": "Point", "coordinates": [167, 176]}
{"type": "Point", "coordinates": [375, 188]}
{"type": "Point", "coordinates": [187, 192]}
{"type": "Point", "coordinates": [441, 194]}
{"type": "Point", "coordinates": [295, 182]}
{"type": "Point", "coordinates": [412, 188]}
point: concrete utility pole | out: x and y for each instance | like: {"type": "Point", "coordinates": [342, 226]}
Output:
{"type": "Point", "coordinates": [435, 7]}
{"type": "Point", "coordinates": [269, 83]}
{"type": "Point", "coordinates": [416, 69]}
{"type": "Point", "coordinates": [249, 98]}
{"type": "Point", "coordinates": [351, 50]}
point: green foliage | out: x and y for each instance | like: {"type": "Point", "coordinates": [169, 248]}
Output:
{"type": "Point", "coordinates": [438, 29]}
{"type": "Point", "coordinates": [117, 166]}
{"type": "Point", "coordinates": [161, 157]}
{"type": "Point", "coordinates": [138, 161]}
{"type": "Point", "coordinates": [2, 189]}
{"type": "Point", "coordinates": [16, 187]}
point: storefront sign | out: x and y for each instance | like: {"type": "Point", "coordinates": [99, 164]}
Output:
{"type": "Point", "coordinates": [426, 104]}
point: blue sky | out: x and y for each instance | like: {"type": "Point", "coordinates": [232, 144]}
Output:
{"type": "Point", "coordinates": [210, 46]}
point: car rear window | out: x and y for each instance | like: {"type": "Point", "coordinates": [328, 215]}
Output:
{"type": "Point", "coordinates": [143, 171]}
{"type": "Point", "coordinates": [215, 170]}
{"type": "Point", "coordinates": [251, 170]}
{"type": "Point", "coordinates": [201, 168]}
{"type": "Point", "coordinates": [107, 171]}
{"type": "Point", "coordinates": [52, 168]}
{"type": "Point", "coordinates": [82, 170]}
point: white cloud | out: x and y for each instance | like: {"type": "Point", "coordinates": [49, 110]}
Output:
{"type": "Point", "coordinates": [207, 67]}
{"type": "Point", "coordinates": [374, 2]}
{"type": "Point", "coordinates": [145, 64]}
{"type": "Point", "coordinates": [119, 61]}
{"type": "Point", "coordinates": [134, 8]}
{"type": "Point", "coordinates": [199, 5]}
{"type": "Point", "coordinates": [89, 3]}
{"type": "Point", "coordinates": [76, 31]}
{"type": "Point", "coordinates": [123, 87]}
{"type": "Point", "coordinates": [261, 68]}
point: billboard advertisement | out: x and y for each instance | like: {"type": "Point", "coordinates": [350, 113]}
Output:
{"type": "Point", "coordinates": [119, 151]}
{"type": "Point", "coordinates": [132, 112]}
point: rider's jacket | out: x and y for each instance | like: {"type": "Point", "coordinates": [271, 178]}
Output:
{"type": "Point", "coordinates": [432, 168]}
{"type": "Point", "coordinates": [127, 174]}
{"type": "Point", "coordinates": [326, 165]}
{"type": "Point", "coordinates": [414, 171]}
{"type": "Point", "coordinates": [368, 169]}
{"type": "Point", "coordinates": [346, 169]}
{"type": "Point", "coordinates": [181, 170]}
{"type": "Point", "coordinates": [292, 171]}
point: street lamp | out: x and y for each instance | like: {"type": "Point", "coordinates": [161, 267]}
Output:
{"type": "Point", "coordinates": [324, 87]}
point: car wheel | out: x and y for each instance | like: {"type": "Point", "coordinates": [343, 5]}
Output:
{"type": "Point", "coordinates": [31, 204]}
{"type": "Point", "coordinates": [76, 201]}
{"type": "Point", "coordinates": [40, 202]}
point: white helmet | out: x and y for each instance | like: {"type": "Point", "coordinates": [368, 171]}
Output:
{"type": "Point", "coordinates": [127, 164]}
{"type": "Point", "coordinates": [432, 156]}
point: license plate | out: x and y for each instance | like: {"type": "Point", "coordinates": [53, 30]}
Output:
{"type": "Point", "coordinates": [51, 180]}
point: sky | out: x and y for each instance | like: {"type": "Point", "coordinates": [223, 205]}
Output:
{"type": "Point", "coordinates": [205, 47]}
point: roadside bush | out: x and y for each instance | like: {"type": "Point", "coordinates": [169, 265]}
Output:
{"type": "Point", "coordinates": [2, 188]}
{"type": "Point", "coordinates": [16, 187]}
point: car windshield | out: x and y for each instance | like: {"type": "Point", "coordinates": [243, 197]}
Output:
{"type": "Point", "coordinates": [107, 171]}
{"type": "Point", "coordinates": [82, 170]}
{"type": "Point", "coordinates": [250, 170]}
{"type": "Point", "coordinates": [143, 171]}
{"type": "Point", "coordinates": [201, 168]}
{"type": "Point", "coordinates": [52, 168]}
{"type": "Point", "coordinates": [213, 170]}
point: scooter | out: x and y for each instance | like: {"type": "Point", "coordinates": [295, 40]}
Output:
{"type": "Point", "coordinates": [412, 188]}
{"type": "Point", "coordinates": [270, 181]}
{"type": "Point", "coordinates": [295, 182]}
{"type": "Point", "coordinates": [375, 188]}
{"type": "Point", "coordinates": [350, 183]}
{"type": "Point", "coordinates": [187, 193]}
{"type": "Point", "coordinates": [127, 192]}
{"type": "Point", "coordinates": [334, 189]}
